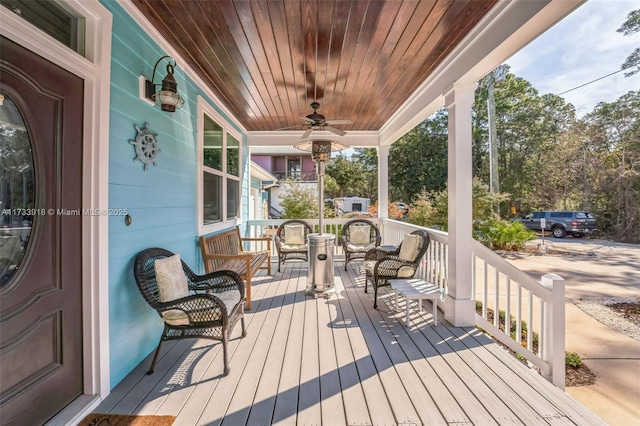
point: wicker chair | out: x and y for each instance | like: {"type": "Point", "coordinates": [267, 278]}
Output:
{"type": "Point", "coordinates": [381, 266]}
{"type": "Point", "coordinates": [356, 244]}
{"type": "Point", "coordinates": [210, 310]}
{"type": "Point", "coordinates": [292, 246]}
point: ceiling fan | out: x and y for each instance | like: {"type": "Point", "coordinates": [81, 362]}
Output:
{"type": "Point", "coordinates": [317, 121]}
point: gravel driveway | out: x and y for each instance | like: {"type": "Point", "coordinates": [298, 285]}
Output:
{"type": "Point", "coordinates": [599, 275]}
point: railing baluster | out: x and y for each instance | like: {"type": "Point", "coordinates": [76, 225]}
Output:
{"type": "Point", "coordinates": [530, 322]}
{"type": "Point", "coordinates": [519, 314]}
{"type": "Point", "coordinates": [485, 288]}
{"type": "Point", "coordinates": [507, 308]}
{"type": "Point", "coordinates": [496, 301]}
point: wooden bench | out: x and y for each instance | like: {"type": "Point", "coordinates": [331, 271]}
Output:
{"type": "Point", "coordinates": [224, 251]}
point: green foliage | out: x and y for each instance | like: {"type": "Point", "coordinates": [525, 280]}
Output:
{"type": "Point", "coordinates": [431, 208]}
{"type": "Point", "coordinates": [630, 27]}
{"type": "Point", "coordinates": [504, 235]}
{"type": "Point", "coordinates": [298, 201]}
{"type": "Point", "coordinates": [423, 212]}
{"type": "Point", "coordinates": [418, 160]}
{"type": "Point", "coordinates": [331, 188]}
{"type": "Point", "coordinates": [350, 176]}
{"type": "Point", "coordinates": [549, 159]}
{"type": "Point", "coordinates": [572, 359]}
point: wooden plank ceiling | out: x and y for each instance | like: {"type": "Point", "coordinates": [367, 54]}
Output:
{"type": "Point", "coordinates": [269, 60]}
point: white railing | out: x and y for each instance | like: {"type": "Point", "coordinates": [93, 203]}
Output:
{"type": "Point", "coordinates": [536, 309]}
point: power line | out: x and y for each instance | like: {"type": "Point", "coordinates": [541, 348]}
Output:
{"type": "Point", "coordinates": [592, 81]}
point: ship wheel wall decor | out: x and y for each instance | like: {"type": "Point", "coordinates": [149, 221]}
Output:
{"type": "Point", "coordinates": [146, 144]}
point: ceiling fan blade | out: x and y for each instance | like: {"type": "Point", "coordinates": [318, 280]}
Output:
{"type": "Point", "coordinates": [306, 134]}
{"type": "Point", "coordinates": [334, 130]}
{"type": "Point", "coordinates": [291, 127]}
{"type": "Point", "coordinates": [339, 122]}
{"type": "Point", "coordinates": [307, 119]}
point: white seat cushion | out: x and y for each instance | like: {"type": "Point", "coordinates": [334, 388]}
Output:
{"type": "Point", "coordinates": [289, 247]}
{"type": "Point", "coordinates": [175, 317]}
{"type": "Point", "coordinates": [178, 317]}
{"type": "Point", "coordinates": [360, 248]}
{"type": "Point", "coordinates": [172, 283]}
{"type": "Point", "coordinates": [230, 299]}
{"type": "Point", "coordinates": [403, 271]}
{"type": "Point", "coordinates": [369, 265]}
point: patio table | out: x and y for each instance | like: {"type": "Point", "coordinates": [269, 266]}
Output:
{"type": "Point", "coordinates": [416, 289]}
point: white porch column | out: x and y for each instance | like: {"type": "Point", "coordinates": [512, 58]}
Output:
{"type": "Point", "coordinates": [460, 301]}
{"type": "Point", "coordinates": [383, 181]}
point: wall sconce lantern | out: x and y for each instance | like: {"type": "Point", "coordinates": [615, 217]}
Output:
{"type": "Point", "coordinates": [168, 97]}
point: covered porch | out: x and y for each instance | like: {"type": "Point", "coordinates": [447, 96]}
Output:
{"type": "Point", "coordinates": [338, 361]}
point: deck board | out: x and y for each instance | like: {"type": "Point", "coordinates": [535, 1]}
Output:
{"type": "Point", "coordinates": [339, 361]}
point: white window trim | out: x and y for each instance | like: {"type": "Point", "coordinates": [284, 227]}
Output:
{"type": "Point", "coordinates": [205, 108]}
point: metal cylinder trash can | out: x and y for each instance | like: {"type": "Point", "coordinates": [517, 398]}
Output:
{"type": "Point", "coordinates": [320, 281]}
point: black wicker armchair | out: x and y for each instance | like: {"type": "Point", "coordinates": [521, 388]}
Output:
{"type": "Point", "coordinates": [291, 240]}
{"type": "Point", "coordinates": [358, 237]}
{"type": "Point", "coordinates": [381, 266]}
{"type": "Point", "coordinates": [210, 308]}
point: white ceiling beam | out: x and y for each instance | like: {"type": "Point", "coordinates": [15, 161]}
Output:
{"type": "Point", "coordinates": [354, 139]}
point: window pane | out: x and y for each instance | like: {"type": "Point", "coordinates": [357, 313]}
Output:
{"type": "Point", "coordinates": [294, 169]}
{"type": "Point", "coordinates": [212, 144]}
{"type": "Point", "coordinates": [17, 196]}
{"type": "Point", "coordinates": [212, 187]}
{"type": "Point", "coordinates": [233, 198]}
{"type": "Point", "coordinates": [233, 156]}
{"type": "Point", "coordinates": [54, 18]}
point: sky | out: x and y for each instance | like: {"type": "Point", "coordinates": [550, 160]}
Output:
{"type": "Point", "coordinates": [582, 47]}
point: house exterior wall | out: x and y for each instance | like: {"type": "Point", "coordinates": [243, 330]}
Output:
{"type": "Point", "coordinates": [161, 200]}
{"type": "Point", "coordinates": [263, 161]}
{"type": "Point", "coordinates": [308, 167]}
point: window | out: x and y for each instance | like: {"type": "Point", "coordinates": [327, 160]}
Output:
{"type": "Point", "coordinates": [219, 160]}
{"type": "Point", "coordinates": [294, 169]}
{"type": "Point", "coordinates": [55, 18]}
{"type": "Point", "coordinates": [18, 197]}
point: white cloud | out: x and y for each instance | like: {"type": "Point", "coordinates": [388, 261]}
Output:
{"type": "Point", "coordinates": [582, 47]}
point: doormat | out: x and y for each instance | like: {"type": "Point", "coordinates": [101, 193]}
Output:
{"type": "Point", "coordinates": [96, 419]}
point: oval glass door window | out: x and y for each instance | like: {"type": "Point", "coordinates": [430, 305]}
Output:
{"type": "Point", "coordinates": [16, 189]}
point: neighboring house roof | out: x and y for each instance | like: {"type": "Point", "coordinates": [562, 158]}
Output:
{"type": "Point", "coordinates": [260, 173]}
{"type": "Point", "coordinates": [277, 150]}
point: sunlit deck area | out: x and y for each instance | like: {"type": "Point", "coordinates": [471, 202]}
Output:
{"type": "Point", "coordinates": [338, 361]}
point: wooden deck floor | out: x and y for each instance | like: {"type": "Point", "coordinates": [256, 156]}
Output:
{"type": "Point", "coordinates": [309, 361]}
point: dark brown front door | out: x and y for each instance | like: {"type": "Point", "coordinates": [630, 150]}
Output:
{"type": "Point", "coordinates": [40, 287]}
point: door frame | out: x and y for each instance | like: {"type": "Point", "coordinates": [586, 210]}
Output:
{"type": "Point", "coordinates": [95, 69]}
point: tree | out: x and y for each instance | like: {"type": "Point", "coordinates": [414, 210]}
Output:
{"type": "Point", "coordinates": [368, 159]}
{"type": "Point", "coordinates": [418, 160]}
{"type": "Point", "coordinates": [629, 27]}
{"type": "Point", "coordinates": [349, 175]}
{"type": "Point", "coordinates": [530, 128]}
{"type": "Point", "coordinates": [298, 201]}
{"type": "Point", "coordinates": [613, 132]}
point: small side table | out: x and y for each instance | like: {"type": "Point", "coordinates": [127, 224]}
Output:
{"type": "Point", "coordinates": [416, 289]}
{"type": "Point", "coordinates": [382, 251]}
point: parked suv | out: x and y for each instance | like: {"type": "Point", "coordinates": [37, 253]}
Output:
{"type": "Point", "coordinates": [561, 223]}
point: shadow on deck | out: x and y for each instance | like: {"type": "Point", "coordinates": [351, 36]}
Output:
{"type": "Point", "coordinates": [338, 361]}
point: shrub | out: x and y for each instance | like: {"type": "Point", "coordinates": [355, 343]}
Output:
{"type": "Point", "coordinates": [299, 201]}
{"type": "Point", "coordinates": [504, 235]}
{"type": "Point", "coordinates": [572, 359]}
